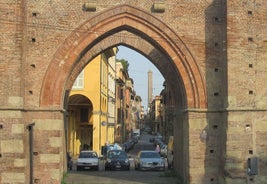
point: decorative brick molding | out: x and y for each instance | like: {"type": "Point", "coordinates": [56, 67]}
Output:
{"type": "Point", "coordinates": [89, 40]}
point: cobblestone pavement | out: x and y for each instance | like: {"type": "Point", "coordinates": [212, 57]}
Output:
{"type": "Point", "coordinates": [123, 177]}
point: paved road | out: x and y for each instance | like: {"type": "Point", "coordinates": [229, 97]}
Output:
{"type": "Point", "coordinates": [124, 177]}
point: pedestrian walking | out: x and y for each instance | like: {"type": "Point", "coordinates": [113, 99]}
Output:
{"type": "Point", "coordinates": [158, 148]}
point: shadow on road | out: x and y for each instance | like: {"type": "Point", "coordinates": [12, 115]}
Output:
{"type": "Point", "coordinates": [122, 177]}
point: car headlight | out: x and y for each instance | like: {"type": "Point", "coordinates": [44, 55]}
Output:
{"type": "Point", "coordinates": [108, 160]}
{"type": "Point", "coordinates": [126, 160]}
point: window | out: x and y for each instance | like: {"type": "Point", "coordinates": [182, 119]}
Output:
{"type": "Point", "coordinates": [79, 82]}
{"type": "Point", "coordinates": [120, 115]}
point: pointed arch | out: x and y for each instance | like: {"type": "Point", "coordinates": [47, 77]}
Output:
{"type": "Point", "coordinates": [101, 32]}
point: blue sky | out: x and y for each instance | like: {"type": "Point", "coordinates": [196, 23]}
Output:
{"type": "Point", "coordinates": [138, 68]}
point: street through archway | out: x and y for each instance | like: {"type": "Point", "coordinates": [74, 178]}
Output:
{"type": "Point", "coordinates": [121, 177]}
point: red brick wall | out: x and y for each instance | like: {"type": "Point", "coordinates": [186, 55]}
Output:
{"type": "Point", "coordinates": [211, 52]}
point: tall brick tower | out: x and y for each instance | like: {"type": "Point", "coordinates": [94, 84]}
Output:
{"type": "Point", "coordinates": [150, 86]}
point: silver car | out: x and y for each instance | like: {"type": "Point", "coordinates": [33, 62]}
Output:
{"type": "Point", "coordinates": [87, 160]}
{"type": "Point", "coordinates": [149, 160]}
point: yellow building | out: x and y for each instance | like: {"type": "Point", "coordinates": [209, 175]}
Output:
{"type": "Point", "coordinates": [88, 126]}
{"type": "Point", "coordinates": [111, 123]}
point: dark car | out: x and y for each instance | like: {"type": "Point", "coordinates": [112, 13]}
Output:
{"type": "Point", "coordinates": [135, 139]}
{"type": "Point", "coordinates": [128, 145]}
{"type": "Point", "coordinates": [117, 160]}
{"type": "Point", "coordinates": [152, 139]}
{"type": "Point", "coordinates": [157, 140]}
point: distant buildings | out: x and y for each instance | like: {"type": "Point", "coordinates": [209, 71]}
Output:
{"type": "Point", "coordinates": [103, 107]}
{"type": "Point", "coordinates": [161, 113]}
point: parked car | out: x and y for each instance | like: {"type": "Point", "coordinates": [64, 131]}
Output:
{"type": "Point", "coordinates": [87, 160]}
{"type": "Point", "coordinates": [117, 160]}
{"type": "Point", "coordinates": [148, 130]}
{"type": "Point", "coordinates": [161, 144]}
{"type": "Point", "coordinates": [149, 160]}
{"type": "Point", "coordinates": [114, 146]}
{"type": "Point", "coordinates": [135, 139]}
{"type": "Point", "coordinates": [157, 140]}
{"type": "Point", "coordinates": [152, 139]}
{"type": "Point", "coordinates": [105, 149]}
{"type": "Point", "coordinates": [128, 145]}
{"type": "Point", "coordinates": [163, 150]}
{"type": "Point", "coordinates": [136, 133]}
{"type": "Point", "coordinates": [170, 152]}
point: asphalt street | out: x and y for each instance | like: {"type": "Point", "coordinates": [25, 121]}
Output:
{"type": "Point", "coordinates": [123, 177]}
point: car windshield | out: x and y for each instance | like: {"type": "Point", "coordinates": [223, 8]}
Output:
{"type": "Point", "coordinates": [116, 154]}
{"type": "Point", "coordinates": [88, 155]}
{"type": "Point", "coordinates": [149, 155]}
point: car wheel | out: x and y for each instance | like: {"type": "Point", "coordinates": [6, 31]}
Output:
{"type": "Point", "coordinates": [79, 168]}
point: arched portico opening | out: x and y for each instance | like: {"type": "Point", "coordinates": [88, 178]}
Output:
{"type": "Point", "coordinates": [80, 131]}
{"type": "Point", "coordinates": [156, 41]}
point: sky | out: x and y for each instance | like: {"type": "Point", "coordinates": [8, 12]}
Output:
{"type": "Point", "coordinates": [138, 68]}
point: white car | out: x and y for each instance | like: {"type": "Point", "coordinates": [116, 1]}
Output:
{"type": "Point", "coordinates": [163, 150]}
{"type": "Point", "coordinates": [87, 160]}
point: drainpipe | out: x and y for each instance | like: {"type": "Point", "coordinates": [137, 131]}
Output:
{"type": "Point", "coordinates": [65, 114]}
{"type": "Point", "coordinates": [30, 128]}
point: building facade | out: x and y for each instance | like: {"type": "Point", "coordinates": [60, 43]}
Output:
{"type": "Point", "coordinates": [168, 112]}
{"type": "Point", "coordinates": [137, 112]}
{"type": "Point", "coordinates": [91, 117]}
{"type": "Point", "coordinates": [128, 99]}
{"type": "Point", "coordinates": [111, 121]}
{"type": "Point", "coordinates": [155, 116]}
{"type": "Point", "coordinates": [124, 102]}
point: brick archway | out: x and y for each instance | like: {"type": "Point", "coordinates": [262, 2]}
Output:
{"type": "Point", "coordinates": [90, 39]}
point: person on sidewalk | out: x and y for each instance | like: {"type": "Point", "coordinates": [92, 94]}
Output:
{"type": "Point", "coordinates": [158, 148]}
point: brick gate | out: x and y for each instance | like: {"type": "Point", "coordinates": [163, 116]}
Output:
{"type": "Point", "coordinates": [213, 53]}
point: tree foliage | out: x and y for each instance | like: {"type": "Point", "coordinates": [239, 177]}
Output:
{"type": "Point", "coordinates": [125, 64]}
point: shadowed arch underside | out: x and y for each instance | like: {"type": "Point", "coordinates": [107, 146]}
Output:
{"type": "Point", "coordinates": [156, 41]}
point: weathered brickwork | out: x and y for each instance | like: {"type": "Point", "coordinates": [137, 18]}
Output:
{"type": "Point", "coordinates": [213, 53]}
